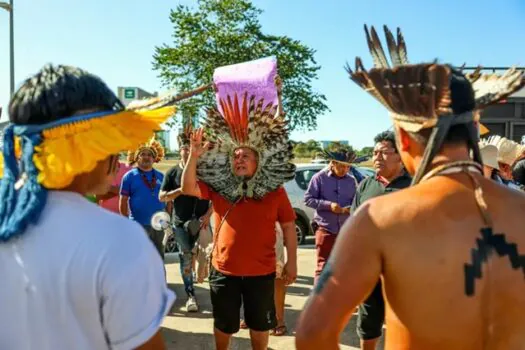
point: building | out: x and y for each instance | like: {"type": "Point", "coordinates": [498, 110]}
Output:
{"type": "Point", "coordinates": [325, 144]}
{"type": "Point", "coordinates": [129, 93]}
{"type": "Point", "coordinates": [508, 118]}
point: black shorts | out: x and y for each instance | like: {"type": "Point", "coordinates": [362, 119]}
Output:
{"type": "Point", "coordinates": [255, 293]}
{"type": "Point", "coordinates": [371, 315]}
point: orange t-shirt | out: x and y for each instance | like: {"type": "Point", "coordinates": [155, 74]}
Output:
{"type": "Point", "coordinates": [246, 240]}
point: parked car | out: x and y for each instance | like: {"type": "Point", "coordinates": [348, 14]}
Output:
{"type": "Point", "coordinates": [296, 189]}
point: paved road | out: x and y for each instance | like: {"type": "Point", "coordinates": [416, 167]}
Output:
{"type": "Point", "coordinates": [193, 331]}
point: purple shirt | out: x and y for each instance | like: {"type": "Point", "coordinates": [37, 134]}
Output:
{"type": "Point", "coordinates": [326, 188]}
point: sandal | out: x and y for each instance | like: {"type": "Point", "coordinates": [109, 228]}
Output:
{"type": "Point", "coordinates": [243, 325]}
{"type": "Point", "coordinates": [279, 331]}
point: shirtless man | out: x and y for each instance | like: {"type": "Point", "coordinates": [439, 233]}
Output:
{"type": "Point", "coordinates": [429, 242]}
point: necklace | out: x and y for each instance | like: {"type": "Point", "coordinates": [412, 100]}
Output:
{"type": "Point", "coordinates": [151, 185]}
{"type": "Point", "coordinates": [467, 166]}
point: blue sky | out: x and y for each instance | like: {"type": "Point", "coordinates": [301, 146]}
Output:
{"type": "Point", "coordinates": [115, 39]}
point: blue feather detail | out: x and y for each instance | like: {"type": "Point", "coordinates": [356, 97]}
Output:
{"type": "Point", "coordinates": [19, 209]}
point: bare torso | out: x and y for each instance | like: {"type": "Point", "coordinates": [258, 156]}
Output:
{"type": "Point", "coordinates": [427, 236]}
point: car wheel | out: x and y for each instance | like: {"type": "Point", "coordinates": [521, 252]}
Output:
{"type": "Point", "coordinates": [171, 245]}
{"type": "Point", "coordinates": [301, 229]}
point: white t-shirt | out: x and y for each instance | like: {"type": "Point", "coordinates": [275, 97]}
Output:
{"type": "Point", "coordinates": [83, 278]}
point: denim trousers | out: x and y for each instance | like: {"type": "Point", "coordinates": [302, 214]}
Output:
{"type": "Point", "coordinates": [186, 243]}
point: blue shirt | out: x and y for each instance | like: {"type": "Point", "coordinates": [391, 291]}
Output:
{"type": "Point", "coordinates": [143, 201]}
{"type": "Point", "coordinates": [326, 188]}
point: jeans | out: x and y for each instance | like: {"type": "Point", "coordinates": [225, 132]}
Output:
{"type": "Point", "coordinates": [186, 242]}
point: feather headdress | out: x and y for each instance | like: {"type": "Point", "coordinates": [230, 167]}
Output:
{"type": "Point", "coordinates": [253, 124]}
{"type": "Point", "coordinates": [51, 155]}
{"type": "Point", "coordinates": [154, 146]}
{"type": "Point", "coordinates": [340, 156]}
{"type": "Point", "coordinates": [418, 96]}
{"type": "Point", "coordinates": [508, 150]}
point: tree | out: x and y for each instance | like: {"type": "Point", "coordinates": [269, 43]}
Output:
{"type": "Point", "coordinates": [225, 32]}
{"type": "Point", "coordinates": [366, 151]}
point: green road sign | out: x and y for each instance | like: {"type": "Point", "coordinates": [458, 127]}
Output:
{"type": "Point", "coordinates": [129, 93]}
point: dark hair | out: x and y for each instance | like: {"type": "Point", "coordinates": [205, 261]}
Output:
{"type": "Point", "coordinates": [518, 171]}
{"type": "Point", "coordinates": [463, 100]}
{"type": "Point", "coordinates": [57, 92]}
{"type": "Point", "coordinates": [386, 136]}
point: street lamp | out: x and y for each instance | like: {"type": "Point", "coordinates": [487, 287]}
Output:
{"type": "Point", "coordinates": [9, 7]}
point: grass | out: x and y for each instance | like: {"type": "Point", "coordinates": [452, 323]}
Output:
{"type": "Point", "coordinates": [168, 163]}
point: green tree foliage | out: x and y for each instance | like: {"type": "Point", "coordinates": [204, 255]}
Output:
{"type": "Point", "coordinates": [219, 33]}
{"type": "Point", "coordinates": [365, 151]}
{"type": "Point", "coordinates": [308, 149]}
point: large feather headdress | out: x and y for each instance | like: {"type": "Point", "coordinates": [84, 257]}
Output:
{"type": "Point", "coordinates": [418, 96]}
{"type": "Point", "coordinates": [247, 115]}
{"type": "Point", "coordinates": [40, 157]}
{"type": "Point", "coordinates": [251, 123]}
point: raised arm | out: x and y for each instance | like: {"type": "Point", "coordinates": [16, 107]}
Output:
{"type": "Point", "coordinates": [357, 254]}
{"type": "Point", "coordinates": [189, 175]}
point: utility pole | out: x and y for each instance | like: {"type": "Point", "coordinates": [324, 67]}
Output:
{"type": "Point", "coordinates": [9, 7]}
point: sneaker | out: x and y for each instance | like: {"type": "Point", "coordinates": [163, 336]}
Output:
{"type": "Point", "coordinates": [191, 305]}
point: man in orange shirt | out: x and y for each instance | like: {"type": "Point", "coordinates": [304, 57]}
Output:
{"type": "Point", "coordinates": [248, 201]}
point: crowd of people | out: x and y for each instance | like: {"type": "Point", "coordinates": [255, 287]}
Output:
{"type": "Point", "coordinates": [405, 247]}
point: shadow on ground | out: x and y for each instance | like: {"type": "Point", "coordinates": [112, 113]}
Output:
{"type": "Point", "coordinates": [200, 341]}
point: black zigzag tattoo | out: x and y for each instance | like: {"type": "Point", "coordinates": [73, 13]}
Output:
{"type": "Point", "coordinates": [486, 245]}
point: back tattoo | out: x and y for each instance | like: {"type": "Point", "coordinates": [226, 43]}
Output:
{"type": "Point", "coordinates": [485, 247]}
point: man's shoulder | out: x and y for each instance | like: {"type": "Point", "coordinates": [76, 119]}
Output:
{"type": "Point", "coordinates": [366, 182]}
{"type": "Point", "coordinates": [131, 173]}
{"type": "Point", "coordinates": [158, 173]}
{"type": "Point", "coordinates": [174, 171]}
{"type": "Point", "coordinates": [323, 173]}
{"type": "Point", "coordinates": [88, 219]}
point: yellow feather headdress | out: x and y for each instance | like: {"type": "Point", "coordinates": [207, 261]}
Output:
{"type": "Point", "coordinates": [38, 157]}
{"type": "Point", "coordinates": [153, 146]}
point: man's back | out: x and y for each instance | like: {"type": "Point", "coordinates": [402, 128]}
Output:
{"type": "Point", "coordinates": [428, 235]}
{"type": "Point", "coordinates": [80, 279]}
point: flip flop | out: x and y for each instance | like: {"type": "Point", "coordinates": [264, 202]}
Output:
{"type": "Point", "coordinates": [279, 331]}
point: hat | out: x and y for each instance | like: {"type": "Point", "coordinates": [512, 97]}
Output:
{"type": "Point", "coordinates": [52, 154]}
{"type": "Point", "coordinates": [154, 146]}
{"type": "Point", "coordinates": [489, 155]}
{"type": "Point", "coordinates": [246, 116]}
{"type": "Point", "coordinates": [419, 96]}
{"type": "Point", "coordinates": [508, 150]}
{"type": "Point", "coordinates": [339, 156]}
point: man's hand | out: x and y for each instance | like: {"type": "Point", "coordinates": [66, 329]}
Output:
{"type": "Point", "coordinates": [290, 272]}
{"type": "Point", "coordinates": [197, 146]}
{"type": "Point", "coordinates": [336, 208]}
{"type": "Point", "coordinates": [346, 210]}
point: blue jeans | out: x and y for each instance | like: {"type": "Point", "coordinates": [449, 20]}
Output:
{"type": "Point", "coordinates": [185, 242]}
